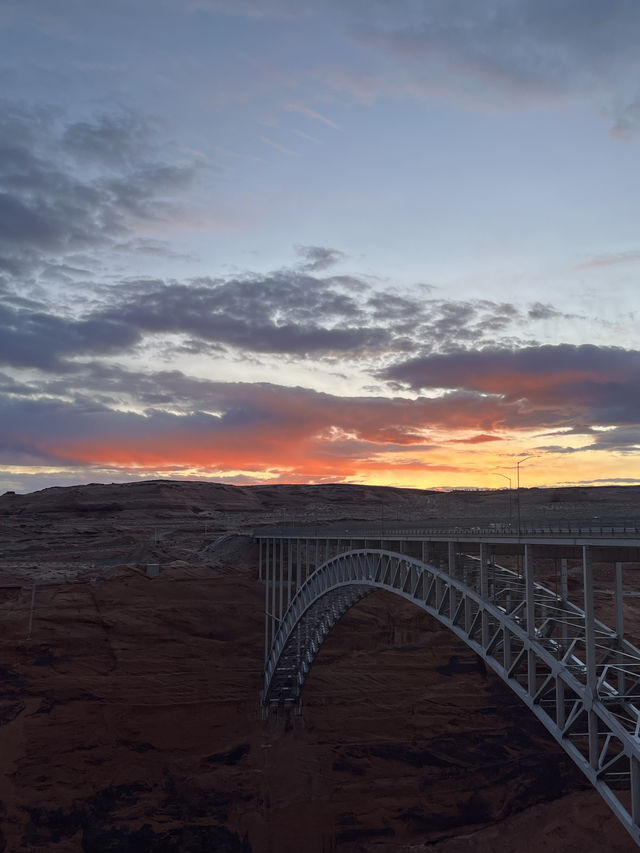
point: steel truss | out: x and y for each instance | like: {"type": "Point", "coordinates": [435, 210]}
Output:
{"type": "Point", "coordinates": [580, 677]}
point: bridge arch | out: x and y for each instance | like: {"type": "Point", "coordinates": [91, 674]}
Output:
{"type": "Point", "coordinates": [534, 641]}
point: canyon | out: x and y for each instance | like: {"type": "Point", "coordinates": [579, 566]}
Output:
{"type": "Point", "coordinates": [131, 657]}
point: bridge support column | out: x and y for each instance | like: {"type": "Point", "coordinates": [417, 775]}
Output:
{"type": "Point", "coordinates": [619, 600]}
{"type": "Point", "coordinates": [468, 613]}
{"type": "Point", "coordinates": [484, 592]}
{"type": "Point", "coordinates": [564, 580]}
{"type": "Point", "coordinates": [635, 790]}
{"type": "Point", "coordinates": [506, 649]}
{"type": "Point", "coordinates": [560, 708]}
{"type": "Point", "coordinates": [273, 588]}
{"type": "Point", "coordinates": [589, 618]}
{"type": "Point", "coordinates": [590, 650]}
{"type": "Point", "coordinates": [267, 620]}
{"type": "Point", "coordinates": [451, 558]}
{"type": "Point", "coordinates": [530, 615]}
{"type": "Point", "coordinates": [484, 580]}
{"type": "Point", "coordinates": [281, 582]}
{"type": "Point", "coordinates": [451, 548]}
{"type": "Point", "coordinates": [564, 596]}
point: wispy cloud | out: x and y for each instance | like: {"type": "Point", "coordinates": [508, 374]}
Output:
{"type": "Point", "coordinates": [237, 156]}
{"type": "Point", "coordinates": [516, 55]}
{"type": "Point", "coordinates": [279, 147]}
{"type": "Point", "coordinates": [306, 136]}
{"type": "Point", "coordinates": [312, 114]}
{"type": "Point", "coordinates": [610, 260]}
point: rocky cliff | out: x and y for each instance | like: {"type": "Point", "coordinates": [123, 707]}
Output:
{"type": "Point", "coordinates": [130, 720]}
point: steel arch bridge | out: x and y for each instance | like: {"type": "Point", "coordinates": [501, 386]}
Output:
{"type": "Point", "coordinates": [578, 675]}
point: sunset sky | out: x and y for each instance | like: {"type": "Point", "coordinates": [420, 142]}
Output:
{"type": "Point", "coordinates": [379, 241]}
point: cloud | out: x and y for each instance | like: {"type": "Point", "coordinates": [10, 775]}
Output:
{"type": "Point", "coordinates": [151, 247]}
{"type": "Point", "coordinates": [564, 384]}
{"type": "Point", "coordinates": [541, 311]}
{"type": "Point", "coordinates": [304, 135]}
{"type": "Point", "coordinates": [106, 416]}
{"type": "Point", "coordinates": [493, 370]}
{"type": "Point", "coordinates": [288, 312]}
{"type": "Point", "coordinates": [279, 147]}
{"type": "Point", "coordinates": [278, 9]}
{"type": "Point", "coordinates": [285, 313]}
{"type": "Point", "coordinates": [448, 324]}
{"type": "Point", "coordinates": [477, 439]}
{"type": "Point", "coordinates": [39, 339]}
{"type": "Point", "coordinates": [520, 54]}
{"type": "Point", "coordinates": [610, 260]}
{"type": "Point", "coordinates": [622, 439]}
{"type": "Point", "coordinates": [627, 122]}
{"type": "Point", "coordinates": [110, 140]}
{"type": "Point", "coordinates": [315, 258]}
{"type": "Point", "coordinates": [625, 439]}
{"type": "Point", "coordinates": [312, 114]}
{"type": "Point", "coordinates": [68, 187]}
{"type": "Point", "coordinates": [622, 481]}
{"type": "Point", "coordinates": [242, 427]}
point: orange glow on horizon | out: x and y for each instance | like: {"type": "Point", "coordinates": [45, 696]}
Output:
{"type": "Point", "coordinates": [278, 456]}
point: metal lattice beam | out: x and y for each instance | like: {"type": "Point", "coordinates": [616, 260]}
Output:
{"type": "Point", "coordinates": [580, 677]}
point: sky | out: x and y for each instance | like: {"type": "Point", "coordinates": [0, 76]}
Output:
{"type": "Point", "coordinates": [392, 242]}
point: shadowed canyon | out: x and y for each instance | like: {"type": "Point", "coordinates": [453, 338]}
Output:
{"type": "Point", "coordinates": [130, 714]}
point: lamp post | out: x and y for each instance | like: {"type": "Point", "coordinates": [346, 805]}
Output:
{"type": "Point", "coordinates": [504, 476]}
{"type": "Point", "coordinates": [518, 464]}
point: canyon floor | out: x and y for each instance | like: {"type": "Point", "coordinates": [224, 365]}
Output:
{"type": "Point", "coordinates": [129, 711]}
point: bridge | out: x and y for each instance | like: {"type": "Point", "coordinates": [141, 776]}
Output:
{"type": "Point", "coordinates": [543, 608]}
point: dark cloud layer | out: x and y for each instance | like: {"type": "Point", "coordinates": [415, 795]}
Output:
{"type": "Point", "coordinates": [259, 426]}
{"type": "Point", "coordinates": [288, 312]}
{"type": "Point", "coordinates": [66, 187]}
{"type": "Point", "coordinates": [510, 371]}
{"type": "Point", "coordinates": [254, 424]}
{"type": "Point", "coordinates": [43, 340]}
{"type": "Point", "coordinates": [566, 385]}
{"type": "Point", "coordinates": [79, 187]}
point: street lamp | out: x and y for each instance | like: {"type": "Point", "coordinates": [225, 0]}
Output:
{"type": "Point", "coordinates": [518, 464]}
{"type": "Point", "coordinates": [504, 476]}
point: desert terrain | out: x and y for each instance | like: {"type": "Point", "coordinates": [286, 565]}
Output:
{"type": "Point", "coordinates": [130, 716]}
